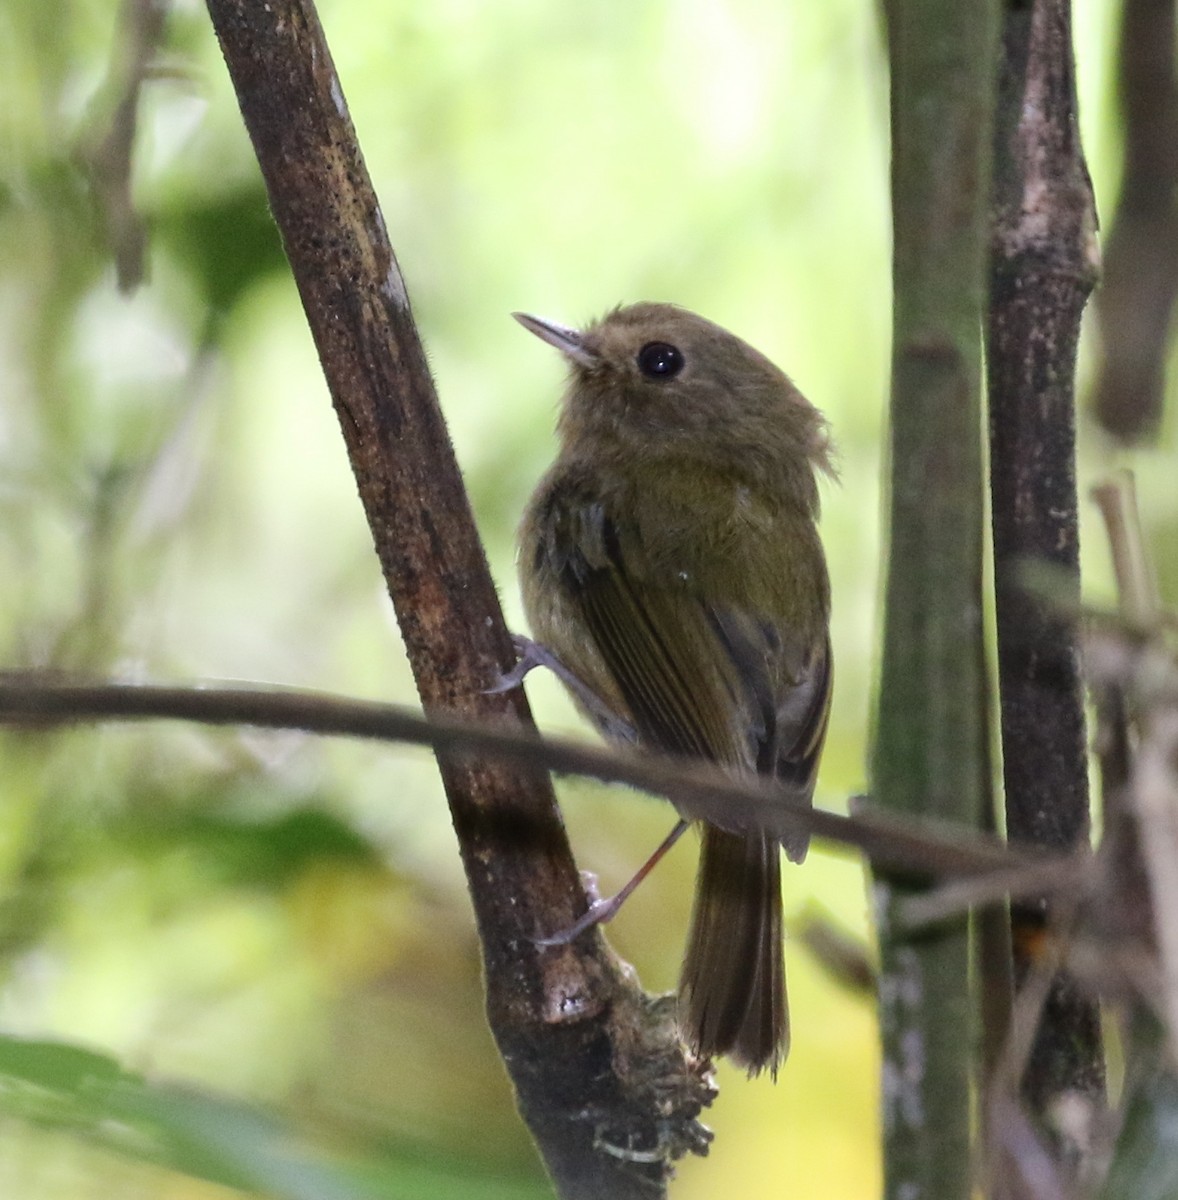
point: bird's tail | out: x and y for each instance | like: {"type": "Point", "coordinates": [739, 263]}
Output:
{"type": "Point", "coordinates": [732, 991]}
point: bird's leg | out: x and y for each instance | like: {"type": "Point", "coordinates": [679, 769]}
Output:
{"type": "Point", "coordinates": [530, 655]}
{"type": "Point", "coordinates": [601, 911]}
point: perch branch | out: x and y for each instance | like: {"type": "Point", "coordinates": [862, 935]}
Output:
{"type": "Point", "coordinates": [593, 1062]}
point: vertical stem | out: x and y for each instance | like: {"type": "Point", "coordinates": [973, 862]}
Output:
{"type": "Point", "coordinates": [1135, 305]}
{"type": "Point", "coordinates": [931, 751]}
{"type": "Point", "coordinates": [1143, 1161]}
{"type": "Point", "coordinates": [1043, 268]}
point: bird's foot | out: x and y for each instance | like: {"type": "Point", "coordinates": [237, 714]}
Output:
{"type": "Point", "coordinates": [529, 655]}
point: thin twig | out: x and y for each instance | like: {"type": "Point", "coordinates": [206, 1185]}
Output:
{"type": "Point", "coordinates": [1135, 305]}
{"type": "Point", "coordinates": [1137, 589]}
{"type": "Point", "coordinates": [1065, 876]}
{"type": "Point", "coordinates": [107, 145]}
{"type": "Point", "coordinates": [1045, 1155]}
{"type": "Point", "coordinates": [1154, 789]}
{"type": "Point", "coordinates": [843, 956]}
{"type": "Point", "coordinates": [920, 849]}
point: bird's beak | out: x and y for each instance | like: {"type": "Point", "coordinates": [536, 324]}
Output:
{"type": "Point", "coordinates": [570, 342]}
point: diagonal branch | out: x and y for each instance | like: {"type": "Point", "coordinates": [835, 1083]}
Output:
{"type": "Point", "coordinates": [586, 1052]}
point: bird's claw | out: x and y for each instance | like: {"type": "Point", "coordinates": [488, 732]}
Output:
{"type": "Point", "coordinates": [529, 656]}
{"type": "Point", "coordinates": [597, 913]}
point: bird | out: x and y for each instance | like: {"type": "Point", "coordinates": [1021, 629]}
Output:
{"type": "Point", "coordinates": [672, 573]}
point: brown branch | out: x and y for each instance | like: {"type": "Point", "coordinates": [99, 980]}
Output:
{"type": "Point", "coordinates": [1135, 304]}
{"type": "Point", "coordinates": [925, 850]}
{"type": "Point", "coordinates": [1134, 668]}
{"type": "Point", "coordinates": [1042, 270]}
{"type": "Point", "coordinates": [1140, 886]}
{"type": "Point", "coordinates": [1070, 876]}
{"type": "Point", "coordinates": [1137, 589]}
{"type": "Point", "coordinates": [1110, 654]}
{"type": "Point", "coordinates": [106, 148]}
{"type": "Point", "coordinates": [593, 1065]}
{"type": "Point", "coordinates": [1135, 681]}
{"type": "Point", "coordinates": [843, 956]}
{"type": "Point", "coordinates": [1155, 800]}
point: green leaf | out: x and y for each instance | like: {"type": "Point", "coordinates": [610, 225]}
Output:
{"type": "Point", "coordinates": [56, 1065]}
{"type": "Point", "coordinates": [1145, 1159]}
{"type": "Point", "coordinates": [220, 1139]}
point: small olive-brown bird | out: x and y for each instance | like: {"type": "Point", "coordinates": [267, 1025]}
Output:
{"type": "Point", "coordinates": [670, 560]}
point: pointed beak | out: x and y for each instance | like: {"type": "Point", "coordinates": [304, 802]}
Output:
{"type": "Point", "coordinates": [568, 341]}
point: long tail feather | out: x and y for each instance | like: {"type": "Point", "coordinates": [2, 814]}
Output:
{"type": "Point", "coordinates": [732, 991]}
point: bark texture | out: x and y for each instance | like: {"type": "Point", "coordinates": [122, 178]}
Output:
{"type": "Point", "coordinates": [600, 1075]}
{"type": "Point", "coordinates": [1043, 267]}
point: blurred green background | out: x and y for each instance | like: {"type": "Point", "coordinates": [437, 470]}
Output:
{"type": "Point", "coordinates": [282, 920]}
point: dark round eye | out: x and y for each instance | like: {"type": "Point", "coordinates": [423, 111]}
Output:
{"type": "Point", "coordinates": [660, 360]}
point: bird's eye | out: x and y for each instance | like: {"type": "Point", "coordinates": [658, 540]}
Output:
{"type": "Point", "coordinates": [660, 360]}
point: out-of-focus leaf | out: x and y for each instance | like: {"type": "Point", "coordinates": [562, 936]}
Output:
{"type": "Point", "coordinates": [245, 1147]}
{"type": "Point", "coordinates": [1145, 1161]}
{"type": "Point", "coordinates": [218, 1139]}
{"type": "Point", "coordinates": [56, 1065]}
{"type": "Point", "coordinates": [228, 242]}
{"type": "Point", "coordinates": [259, 852]}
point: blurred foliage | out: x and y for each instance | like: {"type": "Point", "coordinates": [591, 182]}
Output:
{"type": "Point", "coordinates": [53, 1084]}
{"type": "Point", "coordinates": [240, 918]}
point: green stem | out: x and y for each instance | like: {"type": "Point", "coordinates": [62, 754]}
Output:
{"type": "Point", "coordinates": [931, 752]}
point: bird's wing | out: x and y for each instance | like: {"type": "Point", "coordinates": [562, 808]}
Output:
{"type": "Point", "coordinates": [699, 680]}
{"type": "Point", "coordinates": [654, 642]}
{"type": "Point", "coordinates": [786, 693]}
